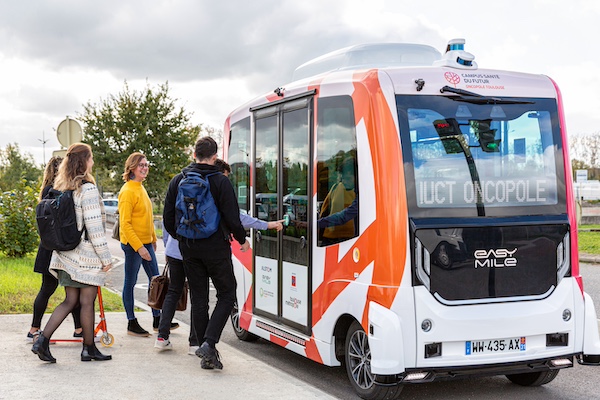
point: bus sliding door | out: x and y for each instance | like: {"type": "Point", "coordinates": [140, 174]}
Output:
{"type": "Point", "coordinates": [282, 277]}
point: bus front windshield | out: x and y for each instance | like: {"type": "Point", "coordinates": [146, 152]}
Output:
{"type": "Point", "coordinates": [479, 159]}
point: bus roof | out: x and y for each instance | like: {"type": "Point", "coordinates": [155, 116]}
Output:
{"type": "Point", "coordinates": [365, 56]}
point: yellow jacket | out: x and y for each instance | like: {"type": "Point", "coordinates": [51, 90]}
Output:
{"type": "Point", "coordinates": [136, 218]}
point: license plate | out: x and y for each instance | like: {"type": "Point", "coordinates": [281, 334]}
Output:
{"type": "Point", "coordinates": [495, 346]}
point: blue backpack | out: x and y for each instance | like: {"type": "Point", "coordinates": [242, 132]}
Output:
{"type": "Point", "coordinates": [197, 215]}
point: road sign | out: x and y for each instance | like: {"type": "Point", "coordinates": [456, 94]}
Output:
{"type": "Point", "coordinates": [68, 132]}
{"type": "Point", "coordinates": [59, 153]}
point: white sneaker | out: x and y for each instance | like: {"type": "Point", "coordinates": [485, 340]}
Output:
{"type": "Point", "coordinates": [163, 344]}
{"type": "Point", "coordinates": [192, 350]}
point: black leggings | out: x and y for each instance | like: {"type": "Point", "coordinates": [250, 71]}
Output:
{"type": "Point", "coordinates": [49, 285]}
{"type": "Point", "coordinates": [86, 298]}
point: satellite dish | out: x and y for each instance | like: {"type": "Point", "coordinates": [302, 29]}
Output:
{"type": "Point", "coordinates": [69, 132]}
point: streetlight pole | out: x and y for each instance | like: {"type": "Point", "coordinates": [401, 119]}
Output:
{"type": "Point", "coordinates": [43, 140]}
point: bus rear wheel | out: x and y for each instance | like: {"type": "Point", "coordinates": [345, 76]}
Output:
{"type": "Point", "coordinates": [357, 357]}
{"type": "Point", "coordinates": [533, 378]}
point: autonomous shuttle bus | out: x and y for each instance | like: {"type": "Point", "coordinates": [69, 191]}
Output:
{"type": "Point", "coordinates": [430, 226]}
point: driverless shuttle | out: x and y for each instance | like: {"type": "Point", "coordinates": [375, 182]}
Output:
{"type": "Point", "coordinates": [430, 220]}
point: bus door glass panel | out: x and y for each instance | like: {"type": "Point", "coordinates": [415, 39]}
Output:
{"type": "Point", "coordinates": [265, 246]}
{"type": "Point", "coordinates": [295, 247]}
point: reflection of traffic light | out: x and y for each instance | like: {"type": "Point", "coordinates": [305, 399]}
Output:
{"type": "Point", "coordinates": [449, 132]}
{"type": "Point", "coordinates": [487, 137]}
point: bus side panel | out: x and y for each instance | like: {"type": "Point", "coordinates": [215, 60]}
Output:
{"type": "Point", "coordinates": [383, 220]}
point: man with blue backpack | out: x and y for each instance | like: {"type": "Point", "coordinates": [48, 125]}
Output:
{"type": "Point", "coordinates": [201, 212]}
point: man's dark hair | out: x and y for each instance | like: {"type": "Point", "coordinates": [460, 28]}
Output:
{"type": "Point", "coordinates": [206, 147]}
{"type": "Point", "coordinates": [222, 166]}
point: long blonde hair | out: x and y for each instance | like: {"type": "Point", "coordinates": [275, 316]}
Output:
{"type": "Point", "coordinates": [73, 172]}
{"type": "Point", "coordinates": [131, 164]}
{"type": "Point", "coordinates": [50, 173]}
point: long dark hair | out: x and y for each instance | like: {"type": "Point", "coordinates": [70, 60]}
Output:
{"type": "Point", "coordinates": [50, 173]}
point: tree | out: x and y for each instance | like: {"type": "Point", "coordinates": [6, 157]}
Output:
{"type": "Point", "coordinates": [586, 148]}
{"type": "Point", "coordinates": [147, 121]}
{"type": "Point", "coordinates": [15, 167]}
{"type": "Point", "coordinates": [18, 233]}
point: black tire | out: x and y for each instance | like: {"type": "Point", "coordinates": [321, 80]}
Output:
{"type": "Point", "coordinates": [533, 378]}
{"type": "Point", "coordinates": [357, 357]}
{"type": "Point", "coordinates": [240, 332]}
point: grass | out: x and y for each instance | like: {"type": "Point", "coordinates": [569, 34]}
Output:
{"type": "Point", "coordinates": [19, 286]}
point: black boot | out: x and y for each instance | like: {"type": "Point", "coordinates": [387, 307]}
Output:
{"type": "Point", "coordinates": [91, 352]}
{"type": "Point", "coordinates": [134, 328]}
{"type": "Point", "coordinates": [41, 347]}
{"type": "Point", "coordinates": [156, 323]}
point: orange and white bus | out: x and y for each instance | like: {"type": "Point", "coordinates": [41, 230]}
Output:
{"type": "Point", "coordinates": [431, 229]}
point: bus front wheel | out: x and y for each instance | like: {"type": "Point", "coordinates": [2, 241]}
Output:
{"type": "Point", "coordinates": [358, 367]}
{"type": "Point", "coordinates": [533, 378]}
{"type": "Point", "coordinates": [240, 332]}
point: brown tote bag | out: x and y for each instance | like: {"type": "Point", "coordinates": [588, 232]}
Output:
{"type": "Point", "coordinates": [159, 285]}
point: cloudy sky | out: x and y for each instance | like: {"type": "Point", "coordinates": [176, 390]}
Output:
{"type": "Point", "coordinates": [56, 55]}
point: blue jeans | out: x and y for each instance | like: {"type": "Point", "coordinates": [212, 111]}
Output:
{"type": "Point", "coordinates": [132, 266]}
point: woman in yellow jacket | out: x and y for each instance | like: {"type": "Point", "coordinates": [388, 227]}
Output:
{"type": "Point", "coordinates": [137, 236]}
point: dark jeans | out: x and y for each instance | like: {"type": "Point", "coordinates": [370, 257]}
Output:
{"type": "Point", "coordinates": [198, 271]}
{"type": "Point", "coordinates": [176, 281]}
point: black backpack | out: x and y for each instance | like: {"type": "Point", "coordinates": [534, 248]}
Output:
{"type": "Point", "coordinates": [57, 222]}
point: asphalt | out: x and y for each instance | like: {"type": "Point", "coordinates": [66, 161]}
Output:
{"type": "Point", "coordinates": [137, 370]}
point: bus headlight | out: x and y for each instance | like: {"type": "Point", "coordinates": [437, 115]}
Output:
{"type": "Point", "coordinates": [563, 258]}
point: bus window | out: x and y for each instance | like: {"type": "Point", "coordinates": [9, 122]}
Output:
{"type": "Point", "coordinates": [337, 192]}
{"type": "Point", "coordinates": [239, 160]}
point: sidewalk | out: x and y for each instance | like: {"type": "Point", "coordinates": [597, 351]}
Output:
{"type": "Point", "coordinates": [137, 370]}
{"type": "Point", "coordinates": [589, 258]}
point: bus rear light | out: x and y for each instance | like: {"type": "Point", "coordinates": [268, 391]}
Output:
{"type": "Point", "coordinates": [566, 315]}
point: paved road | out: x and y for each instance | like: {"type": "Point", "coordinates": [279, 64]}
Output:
{"type": "Point", "coordinates": [578, 383]}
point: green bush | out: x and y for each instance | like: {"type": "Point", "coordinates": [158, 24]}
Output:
{"type": "Point", "coordinates": [18, 231]}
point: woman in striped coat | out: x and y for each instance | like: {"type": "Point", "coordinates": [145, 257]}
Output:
{"type": "Point", "coordinates": [84, 268]}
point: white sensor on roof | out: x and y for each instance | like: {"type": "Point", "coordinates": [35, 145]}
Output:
{"type": "Point", "coordinates": [456, 56]}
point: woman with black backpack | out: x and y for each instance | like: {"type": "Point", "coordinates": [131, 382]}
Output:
{"type": "Point", "coordinates": [81, 270]}
{"type": "Point", "coordinates": [42, 262]}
